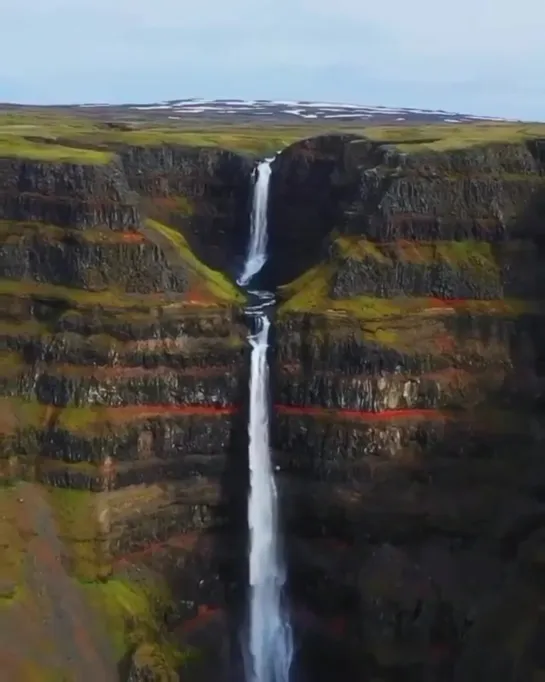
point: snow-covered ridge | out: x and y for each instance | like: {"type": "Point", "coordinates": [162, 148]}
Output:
{"type": "Point", "coordinates": [286, 110]}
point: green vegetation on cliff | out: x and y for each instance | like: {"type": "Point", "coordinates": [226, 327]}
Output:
{"type": "Point", "coordinates": [111, 297]}
{"type": "Point", "coordinates": [34, 136]}
{"type": "Point", "coordinates": [220, 289]}
{"type": "Point", "coordinates": [311, 291]}
{"type": "Point", "coordinates": [216, 282]}
{"type": "Point", "coordinates": [12, 232]}
{"type": "Point", "coordinates": [477, 256]}
{"type": "Point", "coordinates": [58, 617]}
{"type": "Point", "coordinates": [132, 610]}
{"type": "Point", "coordinates": [80, 516]}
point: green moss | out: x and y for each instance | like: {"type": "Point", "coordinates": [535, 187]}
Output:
{"type": "Point", "coordinates": [14, 231]}
{"type": "Point", "coordinates": [17, 413]}
{"type": "Point", "coordinates": [443, 137]}
{"type": "Point", "coordinates": [14, 596]}
{"type": "Point", "coordinates": [308, 292]}
{"type": "Point", "coordinates": [215, 281]}
{"type": "Point", "coordinates": [111, 297]}
{"type": "Point", "coordinates": [468, 253]}
{"type": "Point", "coordinates": [17, 145]}
{"type": "Point", "coordinates": [133, 612]}
{"type": "Point", "coordinates": [66, 129]}
{"type": "Point", "coordinates": [78, 513]}
{"type": "Point", "coordinates": [258, 141]}
{"type": "Point", "coordinates": [11, 363]}
{"type": "Point", "coordinates": [357, 248]}
{"type": "Point", "coordinates": [14, 536]}
{"type": "Point", "coordinates": [24, 328]}
{"type": "Point", "coordinates": [81, 419]}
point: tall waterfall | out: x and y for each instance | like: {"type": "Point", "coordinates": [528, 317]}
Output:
{"type": "Point", "coordinates": [269, 642]}
{"type": "Point", "coordinates": [257, 247]}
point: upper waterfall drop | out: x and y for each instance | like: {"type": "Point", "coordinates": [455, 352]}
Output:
{"type": "Point", "coordinates": [268, 643]}
{"type": "Point", "coordinates": [257, 247]}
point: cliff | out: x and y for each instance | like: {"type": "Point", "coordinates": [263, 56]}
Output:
{"type": "Point", "coordinates": [409, 393]}
{"type": "Point", "coordinates": [122, 375]}
{"type": "Point", "coordinates": [407, 372]}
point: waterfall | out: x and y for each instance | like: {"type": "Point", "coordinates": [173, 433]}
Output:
{"type": "Point", "coordinates": [257, 247]}
{"type": "Point", "coordinates": [269, 647]}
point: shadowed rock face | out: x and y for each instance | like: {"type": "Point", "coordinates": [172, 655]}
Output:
{"type": "Point", "coordinates": [122, 390]}
{"type": "Point", "coordinates": [409, 405]}
{"type": "Point", "coordinates": [312, 183]}
{"type": "Point", "coordinates": [216, 187]}
{"type": "Point", "coordinates": [407, 389]}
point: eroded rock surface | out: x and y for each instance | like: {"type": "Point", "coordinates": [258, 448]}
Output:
{"type": "Point", "coordinates": [408, 384]}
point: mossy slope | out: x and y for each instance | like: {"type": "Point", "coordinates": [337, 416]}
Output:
{"type": "Point", "coordinates": [217, 284]}
{"type": "Point", "coordinates": [99, 619]}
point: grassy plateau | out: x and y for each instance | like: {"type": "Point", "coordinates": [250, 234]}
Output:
{"type": "Point", "coordinates": [62, 136]}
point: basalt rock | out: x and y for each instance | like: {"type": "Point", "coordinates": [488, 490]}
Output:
{"type": "Point", "coordinates": [148, 388]}
{"type": "Point", "coordinates": [137, 323]}
{"type": "Point", "coordinates": [408, 444]}
{"type": "Point", "coordinates": [512, 270]}
{"type": "Point", "coordinates": [137, 268]}
{"type": "Point", "coordinates": [214, 186]}
{"type": "Point", "coordinates": [358, 187]}
{"type": "Point", "coordinates": [149, 439]}
{"type": "Point", "coordinates": [78, 196]}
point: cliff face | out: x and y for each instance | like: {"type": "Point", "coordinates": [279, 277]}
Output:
{"type": "Point", "coordinates": [204, 192]}
{"type": "Point", "coordinates": [122, 377]}
{"type": "Point", "coordinates": [409, 392]}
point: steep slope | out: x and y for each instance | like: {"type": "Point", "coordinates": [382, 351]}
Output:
{"type": "Point", "coordinates": [409, 401]}
{"type": "Point", "coordinates": [122, 366]}
{"type": "Point", "coordinates": [407, 387]}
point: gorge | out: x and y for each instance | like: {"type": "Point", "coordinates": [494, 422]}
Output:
{"type": "Point", "coordinates": [406, 372]}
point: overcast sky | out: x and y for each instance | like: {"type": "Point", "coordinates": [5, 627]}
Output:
{"type": "Point", "coordinates": [471, 56]}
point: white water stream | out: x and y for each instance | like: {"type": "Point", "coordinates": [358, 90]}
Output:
{"type": "Point", "coordinates": [257, 247]}
{"type": "Point", "coordinates": [269, 641]}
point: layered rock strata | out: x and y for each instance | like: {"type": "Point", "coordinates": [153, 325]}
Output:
{"type": "Point", "coordinates": [122, 377]}
{"type": "Point", "coordinates": [409, 389]}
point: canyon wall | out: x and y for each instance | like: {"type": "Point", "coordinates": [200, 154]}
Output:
{"type": "Point", "coordinates": [122, 386]}
{"type": "Point", "coordinates": [409, 394]}
{"type": "Point", "coordinates": [407, 422]}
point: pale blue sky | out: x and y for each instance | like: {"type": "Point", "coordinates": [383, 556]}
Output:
{"type": "Point", "coordinates": [472, 56]}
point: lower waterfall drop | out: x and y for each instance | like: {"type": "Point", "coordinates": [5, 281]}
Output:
{"type": "Point", "coordinates": [269, 643]}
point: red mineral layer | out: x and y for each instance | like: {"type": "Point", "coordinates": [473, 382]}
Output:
{"type": "Point", "coordinates": [360, 414]}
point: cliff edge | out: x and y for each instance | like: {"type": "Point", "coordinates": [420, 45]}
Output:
{"type": "Point", "coordinates": [409, 401]}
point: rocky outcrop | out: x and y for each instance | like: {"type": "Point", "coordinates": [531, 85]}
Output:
{"type": "Point", "coordinates": [138, 267]}
{"type": "Point", "coordinates": [123, 373]}
{"type": "Point", "coordinates": [456, 270]}
{"type": "Point", "coordinates": [76, 196]}
{"type": "Point", "coordinates": [409, 393]}
{"type": "Point", "coordinates": [358, 187]}
{"type": "Point", "coordinates": [204, 192]}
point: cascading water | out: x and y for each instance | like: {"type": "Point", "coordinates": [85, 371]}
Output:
{"type": "Point", "coordinates": [269, 646]}
{"type": "Point", "coordinates": [257, 247]}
